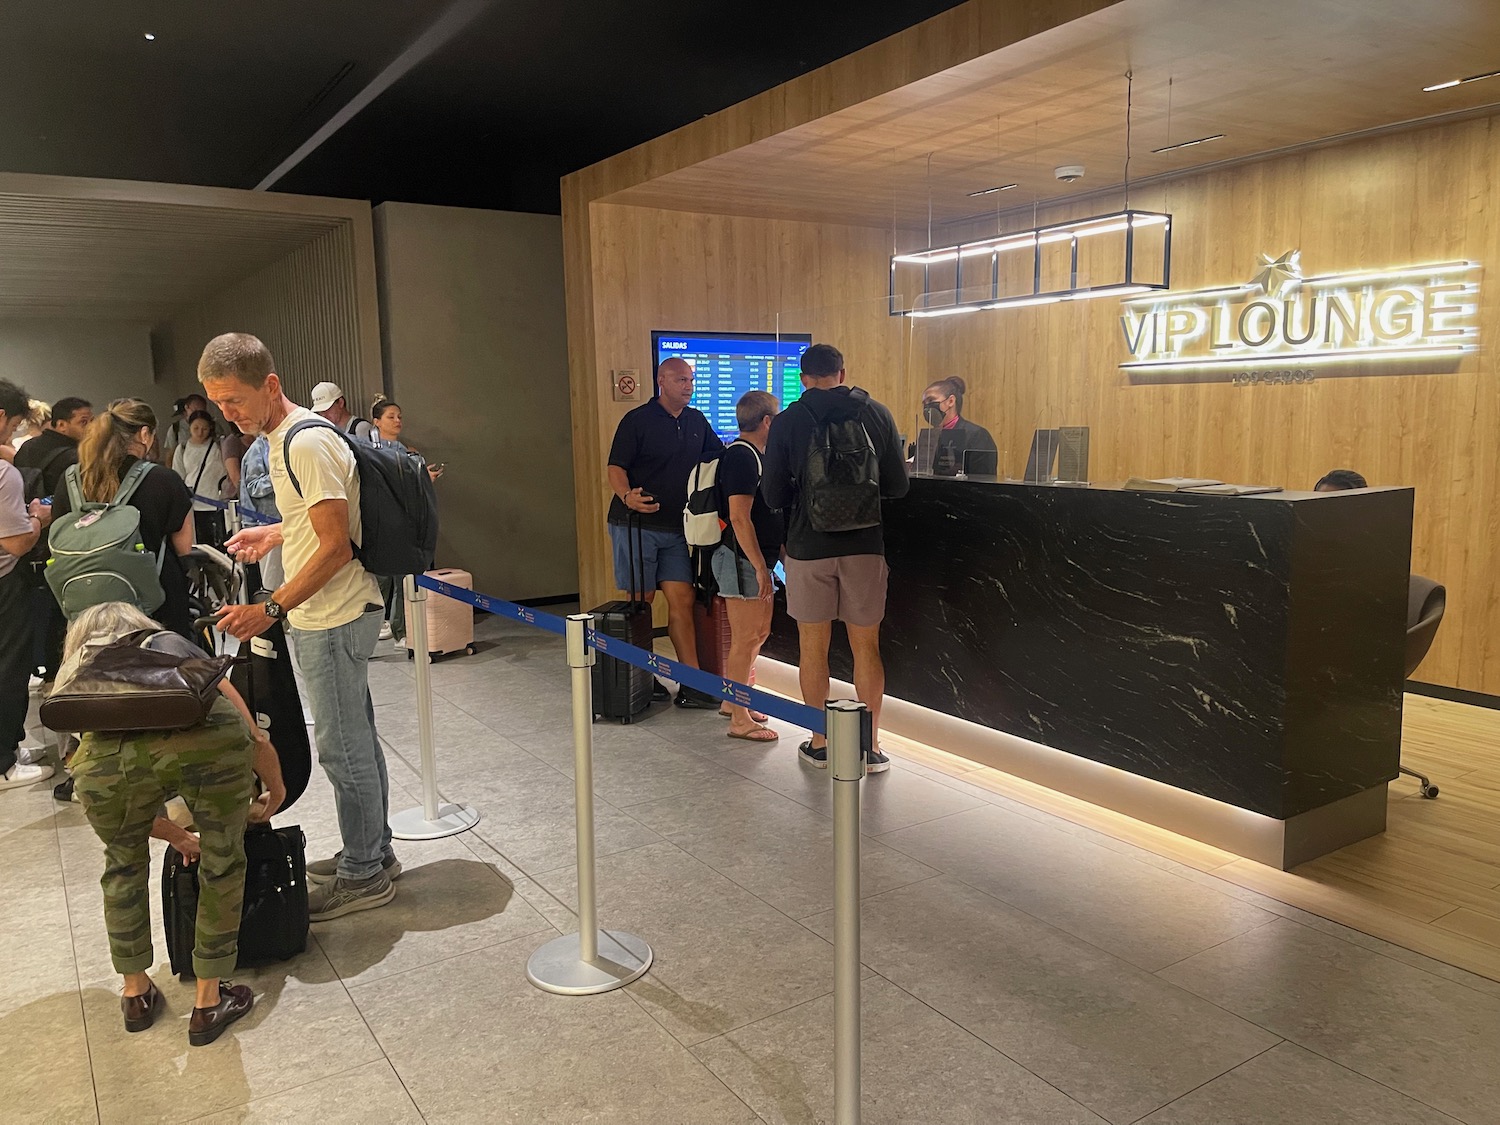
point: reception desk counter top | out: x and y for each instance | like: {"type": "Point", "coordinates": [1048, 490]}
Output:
{"type": "Point", "coordinates": [1248, 649]}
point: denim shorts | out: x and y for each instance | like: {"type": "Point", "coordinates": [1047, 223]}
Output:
{"type": "Point", "coordinates": [665, 557]}
{"type": "Point", "coordinates": [734, 574]}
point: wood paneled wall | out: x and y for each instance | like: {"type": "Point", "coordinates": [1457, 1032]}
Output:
{"type": "Point", "coordinates": [1423, 196]}
{"type": "Point", "coordinates": [674, 270]}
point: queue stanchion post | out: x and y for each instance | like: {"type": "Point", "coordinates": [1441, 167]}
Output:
{"type": "Point", "coordinates": [436, 818]}
{"type": "Point", "coordinates": [849, 735]}
{"type": "Point", "coordinates": [592, 960]}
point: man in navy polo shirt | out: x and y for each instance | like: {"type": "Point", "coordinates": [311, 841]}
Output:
{"type": "Point", "coordinates": [656, 446]}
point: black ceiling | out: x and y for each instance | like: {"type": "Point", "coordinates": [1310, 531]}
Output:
{"type": "Point", "coordinates": [526, 92]}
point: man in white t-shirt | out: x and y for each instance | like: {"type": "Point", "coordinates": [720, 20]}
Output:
{"type": "Point", "coordinates": [332, 606]}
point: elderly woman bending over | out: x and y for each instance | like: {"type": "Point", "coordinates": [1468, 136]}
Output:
{"type": "Point", "coordinates": [122, 781]}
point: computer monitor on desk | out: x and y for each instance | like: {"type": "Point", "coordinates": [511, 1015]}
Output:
{"type": "Point", "coordinates": [981, 463]}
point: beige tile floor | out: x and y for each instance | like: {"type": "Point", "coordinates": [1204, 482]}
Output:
{"type": "Point", "coordinates": [1020, 968]}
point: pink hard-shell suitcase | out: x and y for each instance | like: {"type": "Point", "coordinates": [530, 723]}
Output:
{"type": "Point", "coordinates": [450, 623]}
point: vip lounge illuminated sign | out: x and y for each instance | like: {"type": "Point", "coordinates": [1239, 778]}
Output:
{"type": "Point", "coordinates": [1282, 319]}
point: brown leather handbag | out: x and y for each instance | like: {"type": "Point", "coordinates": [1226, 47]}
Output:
{"type": "Point", "coordinates": [123, 686]}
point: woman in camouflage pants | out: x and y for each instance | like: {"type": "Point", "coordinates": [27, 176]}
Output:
{"type": "Point", "coordinates": [122, 781]}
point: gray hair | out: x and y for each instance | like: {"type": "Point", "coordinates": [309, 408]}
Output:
{"type": "Point", "coordinates": [100, 624]}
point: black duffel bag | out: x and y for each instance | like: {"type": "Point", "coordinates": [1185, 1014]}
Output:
{"type": "Point", "coordinates": [273, 921]}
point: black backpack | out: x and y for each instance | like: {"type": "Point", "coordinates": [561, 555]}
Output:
{"type": "Point", "coordinates": [840, 488]}
{"type": "Point", "coordinates": [397, 504]}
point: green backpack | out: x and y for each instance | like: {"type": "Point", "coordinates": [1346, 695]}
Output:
{"type": "Point", "coordinates": [97, 554]}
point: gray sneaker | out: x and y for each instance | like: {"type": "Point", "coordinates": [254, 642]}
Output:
{"type": "Point", "coordinates": [322, 870]}
{"type": "Point", "coordinates": [340, 896]}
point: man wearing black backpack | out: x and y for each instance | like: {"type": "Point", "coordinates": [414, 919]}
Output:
{"type": "Point", "coordinates": [331, 603]}
{"type": "Point", "coordinates": [831, 458]}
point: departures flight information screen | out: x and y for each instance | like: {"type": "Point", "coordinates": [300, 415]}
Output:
{"type": "Point", "coordinates": [728, 364]}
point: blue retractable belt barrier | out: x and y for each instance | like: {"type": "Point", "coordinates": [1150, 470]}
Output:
{"type": "Point", "coordinates": [246, 515]}
{"type": "Point", "coordinates": [720, 687]}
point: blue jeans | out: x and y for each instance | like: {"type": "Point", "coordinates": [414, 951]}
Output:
{"type": "Point", "coordinates": [335, 667]}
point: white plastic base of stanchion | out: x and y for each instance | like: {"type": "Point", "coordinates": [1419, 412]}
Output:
{"type": "Point", "coordinates": [412, 824]}
{"type": "Point", "coordinates": [555, 967]}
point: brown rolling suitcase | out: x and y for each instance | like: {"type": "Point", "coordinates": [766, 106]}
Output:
{"type": "Point", "coordinates": [711, 625]}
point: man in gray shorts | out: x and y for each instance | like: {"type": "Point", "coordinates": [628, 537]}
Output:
{"type": "Point", "coordinates": [833, 574]}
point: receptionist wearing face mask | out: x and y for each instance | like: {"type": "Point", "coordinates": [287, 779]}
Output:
{"type": "Point", "coordinates": [942, 409]}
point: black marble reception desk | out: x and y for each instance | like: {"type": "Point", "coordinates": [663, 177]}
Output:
{"type": "Point", "coordinates": [1249, 649]}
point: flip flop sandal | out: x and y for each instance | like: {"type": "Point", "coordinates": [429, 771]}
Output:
{"type": "Point", "coordinates": [755, 716]}
{"type": "Point", "coordinates": [756, 735]}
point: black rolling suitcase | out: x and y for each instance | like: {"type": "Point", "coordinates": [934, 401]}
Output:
{"type": "Point", "coordinates": [273, 921]}
{"type": "Point", "coordinates": [622, 691]}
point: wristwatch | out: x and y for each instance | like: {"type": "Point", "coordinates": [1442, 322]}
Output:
{"type": "Point", "coordinates": [273, 609]}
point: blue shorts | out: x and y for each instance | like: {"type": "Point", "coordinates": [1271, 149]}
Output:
{"type": "Point", "coordinates": [734, 574]}
{"type": "Point", "coordinates": [665, 555]}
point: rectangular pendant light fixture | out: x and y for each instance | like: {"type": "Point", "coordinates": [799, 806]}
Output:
{"type": "Point", "coordinates": [940, 264]}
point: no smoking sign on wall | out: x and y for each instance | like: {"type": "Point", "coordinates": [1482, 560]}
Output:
{"type": "Point", "coordinates": [627, 386]}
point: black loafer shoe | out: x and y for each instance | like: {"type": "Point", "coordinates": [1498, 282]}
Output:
{"type": "Point", "coordinates": [207, 1024]}
{"type": "Point", "coordinates": [659, 692]}
{"type": "Point", "coordinates": [695, 700]}
{"type": "Point", "coordinates": [140, 1011]}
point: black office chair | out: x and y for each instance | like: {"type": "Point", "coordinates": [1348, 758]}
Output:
{"type": "Point", "coordinates": [1425, 603]}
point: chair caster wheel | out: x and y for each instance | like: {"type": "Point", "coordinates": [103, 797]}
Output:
{"type": "Point", "coordinates": [1429, 792]}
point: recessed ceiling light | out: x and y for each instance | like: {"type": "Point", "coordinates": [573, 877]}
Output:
{"type": "Point", "coordinates": [1189, 144]}
{"type": "Point", "coordinates": [1460, 81]}
{"type": "Point", "coordinates": [991, 190]}
{"type": "Point", "coordinates": [150, 36]}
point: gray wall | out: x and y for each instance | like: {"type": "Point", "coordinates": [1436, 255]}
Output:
{"type": "Point", "coordinates": [98, 360]}
{"type": "Point", "coordinates": [307, 308]}
{"type": "Point", "coordinates": [474, 339]}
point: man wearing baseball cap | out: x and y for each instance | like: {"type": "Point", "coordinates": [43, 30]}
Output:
{"type": "Point", "coordinates": [328, 400]}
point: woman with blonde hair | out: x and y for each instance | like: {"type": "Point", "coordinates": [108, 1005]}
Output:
{"type": "Point", "coordinates": [122, 434]}
{"type": "Point", "coordinates": [122, 781]}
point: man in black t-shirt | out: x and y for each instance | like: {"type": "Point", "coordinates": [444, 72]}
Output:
{"type": "Point", "coordinates": [751, 545]}
{"type": "Point", "coordinates": [56, 447]}
{"type": "Point", "coordinates": [656, 446]}
{"type": "Point", "coordinates": [833, 574]}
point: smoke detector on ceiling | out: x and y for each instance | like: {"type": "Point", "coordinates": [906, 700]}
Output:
{"type": "Point", "coordinates": [1068, 173]}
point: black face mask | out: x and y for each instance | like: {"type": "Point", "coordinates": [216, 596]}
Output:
{"type": "Point", "coordinates": [933, 413]}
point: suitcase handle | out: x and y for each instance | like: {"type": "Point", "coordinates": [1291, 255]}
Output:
{"type": "Point", "coordinates": [635, 547]}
